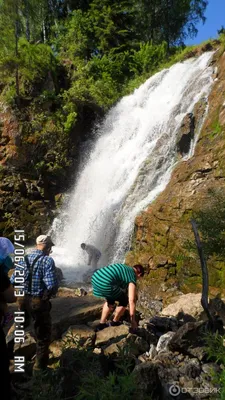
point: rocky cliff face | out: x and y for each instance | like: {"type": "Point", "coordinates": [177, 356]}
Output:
{"type": "Point", "coordinates": [38, 159]}
{"type": "Point", "coordinates": [162, 230]}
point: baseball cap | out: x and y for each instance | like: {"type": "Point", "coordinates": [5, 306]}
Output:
{"type": "Point", "coordinates": [44, 239]}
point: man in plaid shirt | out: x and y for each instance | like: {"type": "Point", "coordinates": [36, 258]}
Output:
{"type": "Point", "coordinates": [40, 283]}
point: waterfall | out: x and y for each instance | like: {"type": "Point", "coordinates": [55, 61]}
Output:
{"type": "Point", "coordinates": [129, 164]}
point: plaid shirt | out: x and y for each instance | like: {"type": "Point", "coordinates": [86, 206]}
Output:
{"type": "Point", "coordinates": [43, 277]}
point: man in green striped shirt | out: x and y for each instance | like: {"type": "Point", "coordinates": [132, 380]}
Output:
{"type": "Point", "coordinates": [113, 283]}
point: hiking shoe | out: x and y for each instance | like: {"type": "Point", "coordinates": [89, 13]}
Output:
{"type": "Point", "coordinates": [115, 323]}
{"type": "Point", "coordinates": [100, 327]}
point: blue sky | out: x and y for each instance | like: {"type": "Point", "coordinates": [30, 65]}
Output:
{"type": "Point", "coordinates": [215, 18]}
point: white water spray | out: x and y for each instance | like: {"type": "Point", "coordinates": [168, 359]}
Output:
{"type": "Point", "coordinates": [130, 164]}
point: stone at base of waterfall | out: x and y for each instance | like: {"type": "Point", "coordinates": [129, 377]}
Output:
{"type": "Point", "coordinates": [68, 292]}
{"type": "Point", "coordinates": [147, 335]}
{"type": "Point", "coordinates": [160, 325]}
{"type": "Point", "coordinates": [134, 344]}
{"type": "Point", "coordinates": [112, 333]}
{"type": "Point", "coordinates": [26, 349]}
{"type": "Point", "coordinates": [189, 339]}
{"type": "Point", "coordinates": [163, 342]}
{"type": "Point", "coordinates": [81, 335]}
{"type": "Point", "coordinates": [188, 305]}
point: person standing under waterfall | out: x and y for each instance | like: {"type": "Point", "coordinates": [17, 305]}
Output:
{"type": "Point", "coordinates": [94, 254]}
{"type": "Point", "coordinates": [117, 284]}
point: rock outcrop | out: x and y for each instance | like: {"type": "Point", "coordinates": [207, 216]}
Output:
{"type": "Point", "coordinates": [161, 232]}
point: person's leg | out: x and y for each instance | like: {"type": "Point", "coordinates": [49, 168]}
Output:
{"type": "Point", "coordinates": [120, 310]}
{"type": "Point", "coordinates": [94, 262]}
{"type": "Point", "coordinates": [42, 327]}
{"type": "Point", "coordinates": [122, 301]}
{"type": "Point", "coordinates": [107, 308]}
{"type": "Point", "coordinates": [4, 368]}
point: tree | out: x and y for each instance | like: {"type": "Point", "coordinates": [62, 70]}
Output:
{"type": "Point", "coordinates": [170, 20]}
{"type": "Point", "coordinates": [10, 26]}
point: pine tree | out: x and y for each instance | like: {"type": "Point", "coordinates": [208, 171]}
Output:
{"type": "Point", "coordinates": [10, 26]}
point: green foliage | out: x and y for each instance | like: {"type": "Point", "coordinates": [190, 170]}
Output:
{"type": "Point", "coordinates": [70, 121]}
{"type": "Point", "coordinates": [113, 387]}
{"type": "Point", "coordinates": [216, 352]}
{"type": "Point", "coordinates": [216, 128]}
{"type": "Point", "coordinates": [36, 60]}
{"type": "Point", "coordinates": [148, 58]}
{"type": "Point", "coordinates": [222, 40]}
{"type": "Point", "coordinates": [211, 223]}
{"type": "Point", "coordinates": [118, 384]}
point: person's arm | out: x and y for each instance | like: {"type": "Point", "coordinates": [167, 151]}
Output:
{"type": "Point", "coordinates": [132, 304]}
{"type": "Point", "coordinates": [89, 258]}
{"type": "Point", "coordinates": [50, 277]}
{"type": "Point", "coordinates": [89, 251]}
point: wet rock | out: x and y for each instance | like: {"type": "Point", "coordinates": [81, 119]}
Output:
{"type": "Point", "coordinates": [186, 134]}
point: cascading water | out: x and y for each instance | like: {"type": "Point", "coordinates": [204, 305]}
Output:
{"type": "Point", "coordinates": [130, 164]}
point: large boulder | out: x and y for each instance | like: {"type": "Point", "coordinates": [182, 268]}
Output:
{"type": "Point", "coordinates": [189, 340]}
{"type": "Point", "coordinates": [79, 334]}
{"type": "Point", "coordinates": [111, 334]}
{"type": "Point", "coordinates": [134, 344]}
{"type": "Point", "coordinates": [187, 305]}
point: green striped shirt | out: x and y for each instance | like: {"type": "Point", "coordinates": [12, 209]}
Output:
{"type": "Point", "coordinates": [109, 281]}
